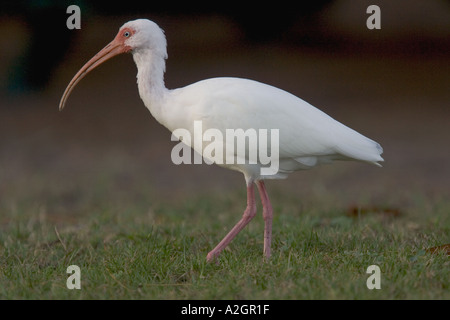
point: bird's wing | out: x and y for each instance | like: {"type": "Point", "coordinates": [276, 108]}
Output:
{"type": "Point", "coordinates": [306, 134]}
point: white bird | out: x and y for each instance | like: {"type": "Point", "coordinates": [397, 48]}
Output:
{"type": "Point", "coordinates": [307, 136]}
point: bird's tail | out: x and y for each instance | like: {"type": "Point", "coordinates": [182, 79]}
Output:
{"type": "Point", "coordinates": [358, 147]}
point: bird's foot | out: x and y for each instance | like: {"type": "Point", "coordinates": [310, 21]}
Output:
{"type": "Point", "coordinates": [212, 257]}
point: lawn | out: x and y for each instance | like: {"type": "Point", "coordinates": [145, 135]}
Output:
{"type": "Point", "coordinates": [156, 249]}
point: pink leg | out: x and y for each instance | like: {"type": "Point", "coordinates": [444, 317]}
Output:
{"type": "Point", "coordinates": [249, 213]}
{"type": "Point", "coordinates": [268, 216]}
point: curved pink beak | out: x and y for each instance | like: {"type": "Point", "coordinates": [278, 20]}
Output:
{"type": "Point", "coordinates": [114, 48]}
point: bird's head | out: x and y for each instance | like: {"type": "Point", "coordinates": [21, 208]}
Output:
{"type": "Point", "coordinates": [134, 36]}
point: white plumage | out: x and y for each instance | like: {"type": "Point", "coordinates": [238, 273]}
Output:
{"type": "Point", "coordinates": [307, 136]}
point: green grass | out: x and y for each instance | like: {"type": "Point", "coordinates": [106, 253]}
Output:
{"type": "Point", "coordinates": [156, 250]}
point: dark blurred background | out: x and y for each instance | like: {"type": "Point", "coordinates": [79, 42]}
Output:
{"type": "Point", "coordinates": [390, 84]}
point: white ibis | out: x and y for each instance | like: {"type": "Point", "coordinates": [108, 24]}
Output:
{"type": "Point", "coordinates": [307, 136]}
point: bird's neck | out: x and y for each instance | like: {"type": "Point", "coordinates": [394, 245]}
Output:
{"type": "Point", "coordinates": [150, 79]}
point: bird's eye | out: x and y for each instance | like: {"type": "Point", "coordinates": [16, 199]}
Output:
{"type": "Point", "coordinates": [126, 34]}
